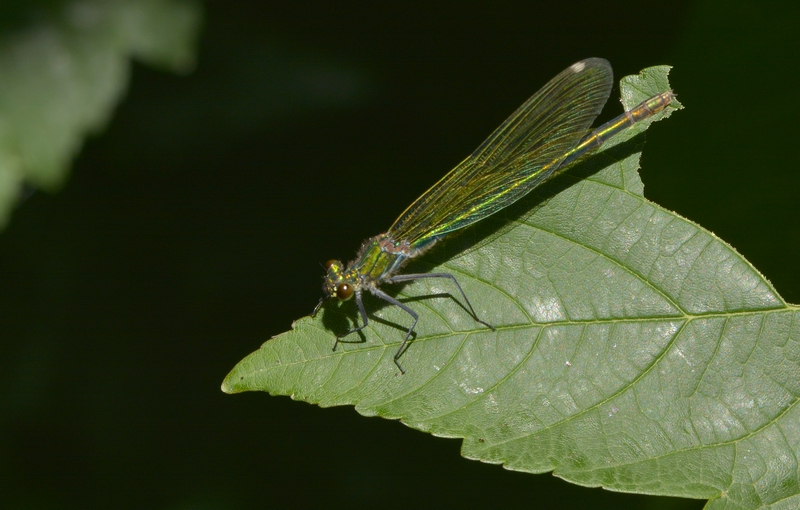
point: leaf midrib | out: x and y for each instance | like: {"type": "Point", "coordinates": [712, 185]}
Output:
{"type": "Point", "coordinates": [627, 386]}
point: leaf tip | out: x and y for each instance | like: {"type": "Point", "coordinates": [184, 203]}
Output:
{"type": "Point", "coordinates": [229, 385]}
{"type": "Point", "coordinates": [235, 381]}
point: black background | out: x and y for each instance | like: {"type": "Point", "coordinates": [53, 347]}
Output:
{"type": "Point", "coordinates": [192, 230]}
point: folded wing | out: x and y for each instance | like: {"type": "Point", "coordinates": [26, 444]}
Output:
{"type": "Point", "coordinates": [521, 154]}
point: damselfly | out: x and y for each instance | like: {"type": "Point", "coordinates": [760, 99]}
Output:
{"type": "Point", "coordinates": [548, 133]}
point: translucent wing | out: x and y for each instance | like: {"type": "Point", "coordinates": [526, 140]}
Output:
{"type": "Point", "coordinates": [521, 154]}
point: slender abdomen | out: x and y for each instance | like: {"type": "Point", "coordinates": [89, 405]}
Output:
{"type": "Point", "coordinates": [640, 112]}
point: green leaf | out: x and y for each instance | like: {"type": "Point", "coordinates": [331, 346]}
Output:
{"type": "Point", "coordinates": [62, 75]}
{"type": "Point", "coordinates": [634, 350]}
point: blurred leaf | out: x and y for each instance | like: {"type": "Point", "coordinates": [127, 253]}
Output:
{"type": "Point", "coordinates": [634, 350]}
{"type": "Point", "coordinates": [63, 73]}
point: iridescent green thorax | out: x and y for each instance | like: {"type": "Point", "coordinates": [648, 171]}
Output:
{"type": "Point", "coordinates": [378, 259]}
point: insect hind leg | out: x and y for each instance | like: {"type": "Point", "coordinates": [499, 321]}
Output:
{"type": "Point", "coordinates": [419, 276]}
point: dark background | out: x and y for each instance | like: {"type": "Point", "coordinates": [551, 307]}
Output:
{"type": "Point", "coordinates": [192, 229]}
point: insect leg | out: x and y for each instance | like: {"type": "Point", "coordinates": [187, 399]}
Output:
{"type": "Point", "coordinates": [316, 308]}
{"type": "Point", "coordinates": [418, 276]}
{"type": "Point", "coordinates": [364, 320]}
{"type": "Point", "coordinates": [389, 299]}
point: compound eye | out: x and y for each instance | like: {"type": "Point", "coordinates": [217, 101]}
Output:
{"type": "Point", "coordinates": [329, 263]}
{"type": "Point", "coordinates": [344, 291]}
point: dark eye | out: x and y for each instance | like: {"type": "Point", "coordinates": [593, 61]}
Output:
{"type": "Point", "coordinates": [329, 263]}
{"type": "Point", "coordinates": [344, 291]}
